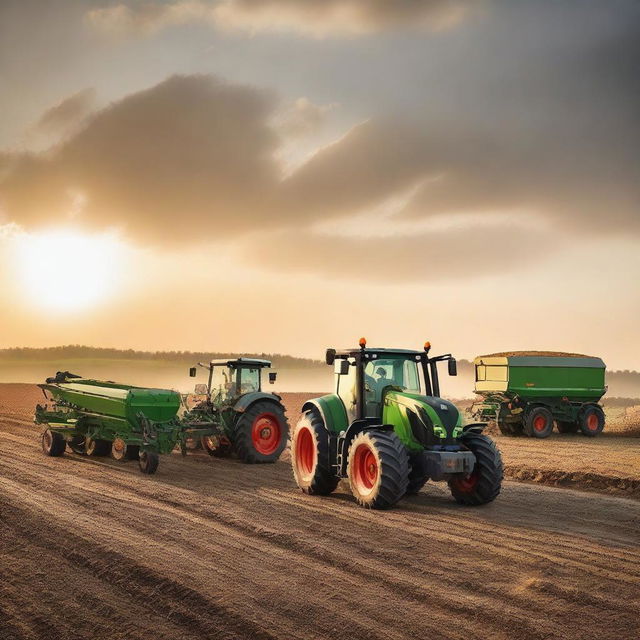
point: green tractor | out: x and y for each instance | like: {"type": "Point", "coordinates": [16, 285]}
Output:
{"type": "Point", "coordinates": [252, 422]}
{"type": "Point", "coordinates": [388, 433]}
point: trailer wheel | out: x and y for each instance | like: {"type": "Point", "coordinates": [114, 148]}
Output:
{"type": "Point", "coordinates": [418, 475]}
{"type": "Point", "coordinates": [485, 481]}
{"type": "Point", "coordinates": [120, 450]}
{"type": "Point", "coordinates": [261, 433]}
{"type": "Point", "coordinates": [538, 422]}
{"type": "Point", "coordinates": [310, 456]}
{"type": "Point", "coordinates": [378, 469]}
{"type": "Point", "coordinates": [216, 447]}
{"type": "Point", "coordinates": [96, 447]}
{"type": "Point", "coordinates": [148, 462]}
{"type": "Point", "coordinates": [564, 426]}
{"type": "Point", "coordinates": [53, 444]}
{"type": "Point", "coordinates": [592, 420]}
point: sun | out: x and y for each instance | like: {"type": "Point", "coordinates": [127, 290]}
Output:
{"type": "Point", "coordinates": [65, 270]}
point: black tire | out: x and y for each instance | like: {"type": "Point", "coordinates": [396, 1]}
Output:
{"type": "Point", "coordinates": [221, 450]}
{"type": "Point", "coordinates": [97, 448]}
{"type": "Point", "coordinates": [120, 450]}
{"type": "Point", "coordinates": [310, 456]}
{"type": "Point", "coordinates": [133, 452]}
{"type": "Point", "coordinates": [538, 422]}
{"type": "Point", "coordinates": [148, 462]}
{"type": "Point", "coordinates": [566, 427]}
{"type": "Point", "coordinates": [485, 481]}
{"type": "Point", "coordinates": [591, 420]}
{"type": "Point", "coordinates": [418, 475]}
{"type": "Point", "coordinates": [378, 469]}
{"type": "Point", "coordinates": [53, 444]}
{"type": "Point", "coordinates": [261, 417]}
{"type": "Point", "coordinates": [76, 444]}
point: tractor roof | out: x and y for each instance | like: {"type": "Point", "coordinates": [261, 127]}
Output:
{"type": "Point", "coordinates": [378, 350]}
{"type": "Point", "coordinates": [241, 362]}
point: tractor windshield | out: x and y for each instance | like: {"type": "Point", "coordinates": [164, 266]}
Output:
{"type": "Point", "coordinates": [223, 382]}
{"type": "Point", "coordinates": [384, 372]}
{"type": "Point", "coordinates": [249, 380]}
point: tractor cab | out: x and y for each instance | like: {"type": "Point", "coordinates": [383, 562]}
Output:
{"type": "Point", "coordinates": [365, 376]}
{"type": "Point", "coordinates": [231, 379]}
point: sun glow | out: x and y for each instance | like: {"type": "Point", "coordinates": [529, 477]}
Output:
{"type": "Point", "coordinates": [66, 270]}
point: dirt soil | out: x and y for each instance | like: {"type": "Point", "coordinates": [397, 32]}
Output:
{"type": "Point", "coordinates": [211, 548]}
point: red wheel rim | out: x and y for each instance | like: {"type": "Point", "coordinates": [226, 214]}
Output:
{"type": "Point", "coordinates": [592, 422]}
{"type": "Point", "coordinates": [539, 423]}
{"type": "Point", "coordinates": [365, 465]}
{"type": "Point", "coordinates": [468, 484]}
{"type": "Point", "coordinates": [305, 452]}
{"type": "Point", "coordinates": [265, 433]}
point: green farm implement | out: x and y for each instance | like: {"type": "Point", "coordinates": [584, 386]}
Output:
{"type": "Point", "coordinates": [388, 431]}
{"type": "Point", "coordinates": [252, 423]}
{"type": "Point", "coordinates": [526, 391]}
{"type": "Point", "coordinates": [96, 418]}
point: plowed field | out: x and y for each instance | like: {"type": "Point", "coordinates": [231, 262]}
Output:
{"type": "Point", "coordinates": [211, 548]}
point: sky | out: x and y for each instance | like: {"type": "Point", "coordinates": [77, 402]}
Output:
{"type": "Point", "coordinates": [287, 175]}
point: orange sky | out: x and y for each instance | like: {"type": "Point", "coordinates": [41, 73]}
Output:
{"type": "Point", "coordinates": [285, 176]}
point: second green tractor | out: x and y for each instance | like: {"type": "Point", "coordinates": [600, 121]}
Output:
{"type": "Point", "coordinates": [387, 430]}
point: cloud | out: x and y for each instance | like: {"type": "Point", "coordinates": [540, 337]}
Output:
{"type": "Point", "coordinates": [302, 118]}
{"type": "Point", "coordinates": [339, 18]}
{"type": "Point", "coordinates": [189, 159]}
{"type": "Point", "coordinates": [315, 18]}
{"type": "Point", "coordinates": [67, 114]}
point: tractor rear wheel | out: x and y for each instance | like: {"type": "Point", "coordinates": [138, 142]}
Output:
{"type": "Point", "coordinates": [484, 483]}
{"type": "Point", "coordinates": [96, 447]}
{"type": "Point", "coordinates": [261, 432]}
{"type": "Point", "coordinates": [564, 426]}
{"type": "Point", "coordinates": [148, 462]}
{"type": "Point", "coordinates": [310, 455]}
{"type": "Point", "coordinates": [378, 469]}
{"type": "Point", "coordinates": [592, 420]}
{"type": "Point", "coordinates": [53, 444]}
{"type": "Point", "coordinates": [538, 422]}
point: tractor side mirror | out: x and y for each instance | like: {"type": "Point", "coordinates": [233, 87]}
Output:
{"type": "Point", "coordinates": [453, 367]}
{"type": "Point", "coordinates": [272, 377]}
{"type": "Point", "coordinates": [192, 372]}
{"type": "Point", "coordinates": [330, 356]}
{"type": "Point", "coordinates": [344, 367]}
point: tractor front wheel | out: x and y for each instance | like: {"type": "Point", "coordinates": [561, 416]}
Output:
{"type": "Point", "coordinates": [592, 421]}
{"type": "Point", "coordinates": [484, 482]}
{"type": "Point", "coordinates": [53, 444]}
{"type": "Point", "coordinates": [378, 469]}
{"type": "Point", "coordinates": [310, 456]}
{"type": "Point", "coordinates": [261, 433]}
{"type": "Point", "coordinates": [148, 462]}
{"type": "Point", "coordinates": [539, 422]}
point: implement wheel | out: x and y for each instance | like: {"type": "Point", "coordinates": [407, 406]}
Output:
{"type": "Point", "coordinates": [261, 432]}
{"type": "Point", "coordinates": [216, 446]}
{"type": "Point", "coordinates": [538, 422]}
{"type": "Point", "coordinates": [310, 455]}
{"type": "Point", "coordinates": [96, 447]}
{"type": "Point", "coordinates": [378, 469]}
{"type": "Point", "coordinates": [53, 444]}
{"type": "Point", "coordinates": [592, 420]}
{"type": "Point", "coordinates": [484, 483]}
{"type": "Point", "coordinates": [148, 462]}
{"type": "Point", "coordinates": [120, 450]}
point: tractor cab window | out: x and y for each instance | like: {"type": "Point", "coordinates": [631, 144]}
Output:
{"type": "Point", "coordinates": [223, 383]}
{"type": "Point", "coordinates": [384, 372]}
{"type": "Point", "coordinates": [346, 389]}
{"type": "Point", "coordinates": [249, 380]}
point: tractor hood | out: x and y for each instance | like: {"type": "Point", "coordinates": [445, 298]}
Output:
{"type": "Point", "coordinates": [427, 420]}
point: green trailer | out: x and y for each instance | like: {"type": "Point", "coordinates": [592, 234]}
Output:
{"type": "Point", "coordinates": [525, 392]}
{"type": "Point", "coordinates": [95, 418]}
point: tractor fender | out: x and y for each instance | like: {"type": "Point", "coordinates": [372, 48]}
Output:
{"type": "Point", "coordinates": [474, 427]}
{"type": "Point", "coordinates": [245, 401]}
{"type": "Point", "coordinates": [357, 427]}
{"type": "Point", "coordinates": [332, 411]}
